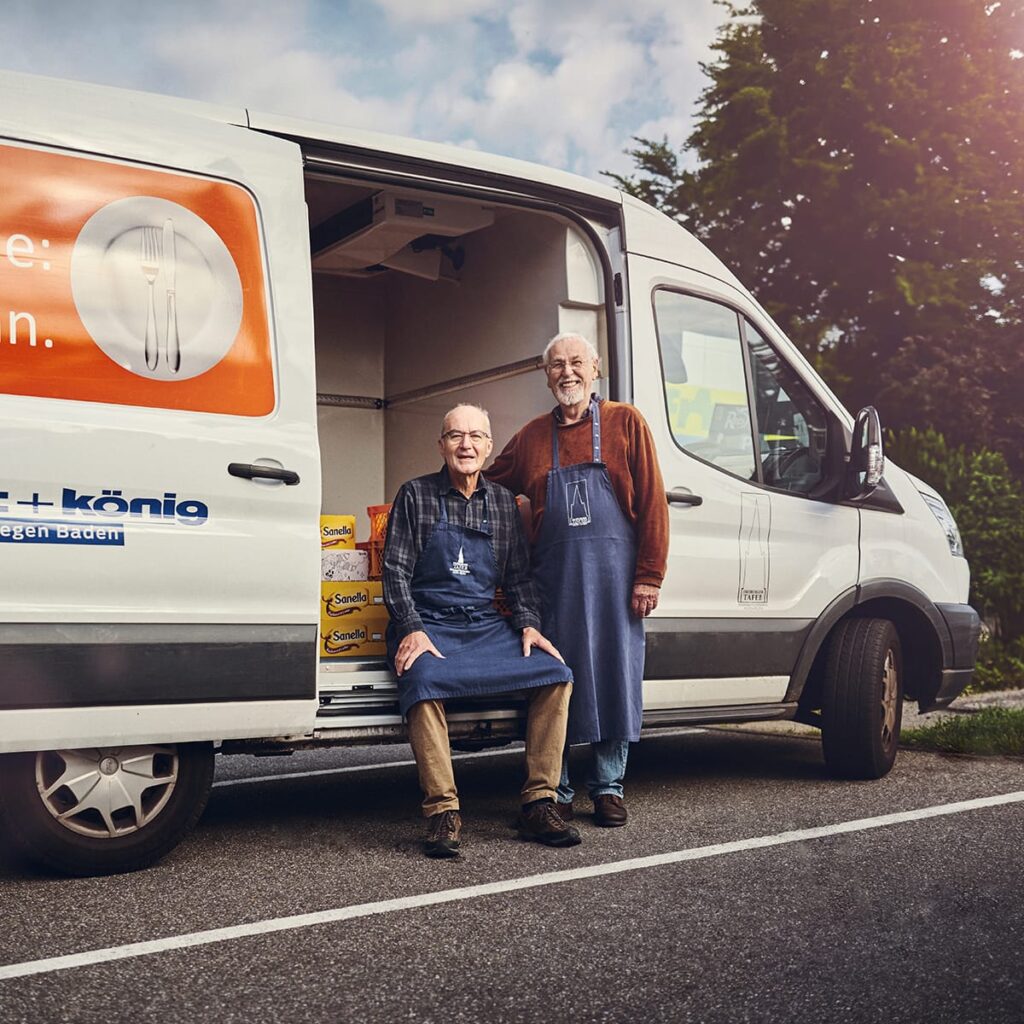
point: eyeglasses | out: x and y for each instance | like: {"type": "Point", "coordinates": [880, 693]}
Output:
{"type": "Point", "coordinates": [456, 437]}
{"type": "Point", "coordinates": [556, 366]}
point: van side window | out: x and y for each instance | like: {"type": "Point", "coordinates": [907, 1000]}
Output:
{"type": "Point", "coordinates": [792, 428]}
{"type": "Point", "coordinates": [705, 381]}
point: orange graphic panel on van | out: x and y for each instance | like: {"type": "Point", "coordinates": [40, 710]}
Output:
{"type": "Point", "coordinates": [130, 286]}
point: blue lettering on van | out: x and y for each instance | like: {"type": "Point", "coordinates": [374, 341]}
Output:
{"type": "Point", "coordinates": [51, 531]}
{"type": "Point", "coordinates": [113, 504]}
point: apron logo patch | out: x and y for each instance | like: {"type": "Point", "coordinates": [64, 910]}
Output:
{"type": "Point", "coordinates": [577, 501]}
{"type": "Point", "coordinates": [460, 567]}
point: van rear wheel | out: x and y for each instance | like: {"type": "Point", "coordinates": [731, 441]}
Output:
{"type": "Point", "coordinates": [105, 810]}
{"type": "Point", "coordinates": [862, 702]}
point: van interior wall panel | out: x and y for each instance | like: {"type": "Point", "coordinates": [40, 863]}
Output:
{"type": "Point", "coordinates": [521, 280]}
{"type": "Point", "coordinates": [350, 317]}
{"type": "Point", "coordinates": [505, 308]}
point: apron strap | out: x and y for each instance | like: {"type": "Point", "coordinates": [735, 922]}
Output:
{"type": "Point", "coordinates": [595, 433]}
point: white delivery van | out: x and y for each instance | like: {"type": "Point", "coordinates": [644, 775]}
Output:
{"type": "Point", "coordinates": [215, 324]}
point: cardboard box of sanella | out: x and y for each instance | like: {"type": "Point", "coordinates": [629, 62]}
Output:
{"type": "Point", "coordinates": [337, 532]}
{"type": "Point", "coordinates": [339, 600]}
{"type": "Point", "coordinates": [359, 635]}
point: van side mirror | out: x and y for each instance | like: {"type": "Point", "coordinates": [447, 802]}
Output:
{"type": "Point", "coordinates": [867, 460]}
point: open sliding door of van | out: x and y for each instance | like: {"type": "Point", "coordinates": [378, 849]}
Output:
{"type": "Point", "coordinates": [748, 447]}
{"type": "Point", "coordinates": [159, 470]}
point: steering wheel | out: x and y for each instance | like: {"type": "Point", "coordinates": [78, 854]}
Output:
{"type": "Point", "coordinates": [780, 461]}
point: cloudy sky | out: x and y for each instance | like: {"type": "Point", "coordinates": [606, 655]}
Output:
{"type": "Point", "coordinates": [562, 82]}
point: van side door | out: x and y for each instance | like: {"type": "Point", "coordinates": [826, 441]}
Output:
{"type": "Point", "coordinates": [159, 472]}
{"type": "Point", "coordinates": [748, 449]}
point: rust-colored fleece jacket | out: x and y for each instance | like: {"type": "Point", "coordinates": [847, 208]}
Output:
{"type": "Point", "coordinates": [627, 449]}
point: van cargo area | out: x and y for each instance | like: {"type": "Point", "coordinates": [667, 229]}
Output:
{"type": "Point", "coordinates": [422, 301]}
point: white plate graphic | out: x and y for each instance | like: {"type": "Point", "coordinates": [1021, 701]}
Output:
{"type": "Point", "coordinates": [112, 294]}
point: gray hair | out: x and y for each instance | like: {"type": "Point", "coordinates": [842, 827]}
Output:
{"type": "Point", "coordinates": [570, 336]}
{"type": "Point", "coordinates": [465, 405]}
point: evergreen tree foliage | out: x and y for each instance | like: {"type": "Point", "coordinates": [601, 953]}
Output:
{"type": "Point", "coordinates": [988, 505]}
{"type": "Point", "coordinates": [860, 165]}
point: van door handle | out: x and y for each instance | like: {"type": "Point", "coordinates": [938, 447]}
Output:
{"type": "Point", "coordinates": [683, 498]}
{"type": "Point", "coordinates": [250, 472]}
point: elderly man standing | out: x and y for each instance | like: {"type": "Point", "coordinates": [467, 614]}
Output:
{"type": "Point", "coordinates": [452, 538]}
{"type": "Point", "coordinates": [600, 544]}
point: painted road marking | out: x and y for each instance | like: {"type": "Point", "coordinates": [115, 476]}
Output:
{"type": "Point", "coordinates": [430, 899]}
{"type": "Point", "coordinates": [250, 780]}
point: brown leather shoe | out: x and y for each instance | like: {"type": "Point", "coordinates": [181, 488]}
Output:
{"type": "Point", "coordinates": [443, 835]}
{"type": "Point", "coordinates": [609, 811]}
{"type": "Point", "coordinates": [565, 811]}
{"type": "Point", "coordinates": [542, 823]}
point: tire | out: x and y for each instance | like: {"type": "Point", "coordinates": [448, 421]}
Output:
{"type": "Point", "coordinates": [121, 809]}
{"type": "Point", "coordinates": [862, 701]}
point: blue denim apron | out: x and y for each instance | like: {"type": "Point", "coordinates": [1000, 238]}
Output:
{"type": "Point", "coordinates": [584, 562]}
{"type": "Point", "coordinates": [453, 585]}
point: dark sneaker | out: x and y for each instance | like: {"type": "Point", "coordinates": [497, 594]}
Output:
{"type": "Point", "coordinates": [609, 811]}
{"type": "Point", "coordinates": [565, 811]}
{"type": "Point", "coordinates": [542, 823]}
{"type": "Point", "coordinates": [443, 835]}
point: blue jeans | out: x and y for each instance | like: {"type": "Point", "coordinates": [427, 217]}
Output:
{"type": "Point", "coordinates": [607, 768]}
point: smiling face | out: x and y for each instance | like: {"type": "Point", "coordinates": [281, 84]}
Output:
{"type": "Point", "coordinates": [465, 454]}
{"type": "Point", "coordinates": [571, 370]}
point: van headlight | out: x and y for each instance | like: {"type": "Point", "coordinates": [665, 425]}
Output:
{"type": "Point", "coordinates": [947, 522]}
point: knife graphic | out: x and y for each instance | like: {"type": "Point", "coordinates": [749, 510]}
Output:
{"type": "Point", "coordinates": [172, 348]}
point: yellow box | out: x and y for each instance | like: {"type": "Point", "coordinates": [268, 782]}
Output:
{"type": "Point", "coordinates": [359, 635]}
{"type": "Point", "coordinates": [340, 600]}
{"type": "Point", "coordinates": [337, 532]}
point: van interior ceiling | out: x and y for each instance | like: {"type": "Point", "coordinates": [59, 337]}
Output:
{"type": "Point", "coordinates": [422, 301]}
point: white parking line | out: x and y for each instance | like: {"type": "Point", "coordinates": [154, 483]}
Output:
{"type": "Point", "coordinates": [688, 730]}
{"type": "Point", "coordinates": [429, 899]}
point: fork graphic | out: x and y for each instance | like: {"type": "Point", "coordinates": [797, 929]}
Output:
{"type": "Point", "coordinates": [149, 263]}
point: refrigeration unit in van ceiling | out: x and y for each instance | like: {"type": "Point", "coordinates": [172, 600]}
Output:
{"type": "Point", "coordinates": [399, 232]}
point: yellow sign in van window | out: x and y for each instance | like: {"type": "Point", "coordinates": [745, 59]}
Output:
{"type": "Point", "coordinates": [130, 286]}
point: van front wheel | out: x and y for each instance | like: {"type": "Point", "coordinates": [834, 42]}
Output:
{"type": "Point", "coordinates": [107, 810]}
{"type": "Point", "coordinates": [862, 702]}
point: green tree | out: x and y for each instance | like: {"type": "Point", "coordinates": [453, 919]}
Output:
{"type": "Point", "coordinates": [988, 505]}
{"type": "Point", "coordinates": [859, 163]}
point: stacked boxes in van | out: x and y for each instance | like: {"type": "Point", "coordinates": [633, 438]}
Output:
{"type": "Point", "coordinates": [353, 618]}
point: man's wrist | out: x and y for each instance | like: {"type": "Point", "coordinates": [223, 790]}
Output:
{"type": "Point", "coordinates": [525, 620]}
{"type": "Point", "coordinates": [648, 581]}
{"type": "Point", "coordinates": [406, 626]}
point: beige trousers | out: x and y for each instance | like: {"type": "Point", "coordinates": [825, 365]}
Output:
{"type": "Point", "coordinates": [546, 719]}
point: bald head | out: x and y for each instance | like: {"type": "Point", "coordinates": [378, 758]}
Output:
{"type": "Point", "coordinates": [467, 409]}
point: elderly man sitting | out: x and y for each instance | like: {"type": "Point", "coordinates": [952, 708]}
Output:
{"type": "Point", "coordinates": [452, 539]}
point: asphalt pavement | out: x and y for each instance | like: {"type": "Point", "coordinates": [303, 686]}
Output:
{"type": "Point", "coordinates": [718, 902]}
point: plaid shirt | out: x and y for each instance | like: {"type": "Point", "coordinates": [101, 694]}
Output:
{"type": "Point", "coordinates": [414, 514]}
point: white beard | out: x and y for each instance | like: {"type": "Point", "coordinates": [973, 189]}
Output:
{"type": "Point", "coordinates": [569, 395]}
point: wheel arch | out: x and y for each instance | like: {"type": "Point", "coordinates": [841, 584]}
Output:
{"type": "Point", "coordinates": [924, 638]}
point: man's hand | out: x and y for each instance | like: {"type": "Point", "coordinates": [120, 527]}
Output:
{"type": "Point", "coordinates": [645, 599]}
{"type": "Point", "coordinates": [532, 638]}
{"type": "Point", "coordinates": [411, 647]}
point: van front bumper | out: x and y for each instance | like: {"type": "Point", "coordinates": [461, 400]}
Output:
{"type": "Point", "coordinates": [964, 627]}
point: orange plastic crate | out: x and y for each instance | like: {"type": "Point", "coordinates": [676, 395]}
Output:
{"type": "Point", "coordinates": [378, 521]}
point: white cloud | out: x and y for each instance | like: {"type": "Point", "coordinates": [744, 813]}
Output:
{"type": "Point", "coordinates": [436, 12]}
{"type": "Point", "coordinates": [266, 66]}
{"type": "Point", "coordinates": [566, 83]}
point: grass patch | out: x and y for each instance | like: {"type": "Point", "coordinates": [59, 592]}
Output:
{"type": "Point", "coordinates": [991, 731]}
